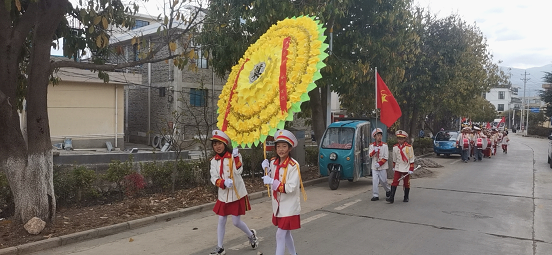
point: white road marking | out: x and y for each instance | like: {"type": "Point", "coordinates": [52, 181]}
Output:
{"type": "Point", "coordinates": [311, 218]}
{"type": "Point", "coordinates": [244, 244]}
{"type": "Point", "coordinates": [339, 208]}
{"type": "Point", "coordinates": [456, 161]}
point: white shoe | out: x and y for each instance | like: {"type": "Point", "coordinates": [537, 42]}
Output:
{"type": "Point", "coordinates": [253, 240]}
{"type": "Point", "coordinates": [218, 251]}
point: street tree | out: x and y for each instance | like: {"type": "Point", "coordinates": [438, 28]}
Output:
{"type": "Point", "coordinates": [546, 95]}
{"type": "Point", "coordinates": [450, 72]}
{"type": "Point", "coordinates": [28, 29]}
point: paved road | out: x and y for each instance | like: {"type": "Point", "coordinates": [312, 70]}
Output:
{"type": "Point", "coordinates": [498, 206]}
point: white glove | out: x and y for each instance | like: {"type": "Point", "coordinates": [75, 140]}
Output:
{"type": "Point", "coordinates": [235, 152]}
{"type": "Point", "coordinates": [267, 179]}
{"type": "Point", "coordinates": [377, 165]}
{"type": "Point", "coordinates": [376, 149]}
{"type": "Point", "coordinates": [265, 164]}
{"type": "Point", "coordinates": [275, 184]}
{"type": "Point", "coordinates": [228, 183]}
{"type": "Point", "coordinates": [410, 172]}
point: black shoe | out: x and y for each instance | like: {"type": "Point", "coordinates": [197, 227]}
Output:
{"type": "Point", "coordinates": [391, 197]}
{"type": "Point", "coordinates": [406, 192]}
{"type": "Point", "coordinates": [374, 199]}
{"type": "Point", "coordinates": [387, 194]}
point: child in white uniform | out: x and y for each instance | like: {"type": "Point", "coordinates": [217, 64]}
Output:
{"type": "Point", "coordinates": [226, 169]}
{"type": "Point", "coordinates": [285, 178]}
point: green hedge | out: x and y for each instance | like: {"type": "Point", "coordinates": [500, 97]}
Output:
{"type": "Point", "coordinates": [539, 131]}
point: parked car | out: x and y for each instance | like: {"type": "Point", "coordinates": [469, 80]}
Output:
{"type": "Point", "coordinates": [550, 150]}
{"type": "Point", "coordinates": [444, 142]}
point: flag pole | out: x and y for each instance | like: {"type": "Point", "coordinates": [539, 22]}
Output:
{"type": "Point", "coordinates": [376, 95]}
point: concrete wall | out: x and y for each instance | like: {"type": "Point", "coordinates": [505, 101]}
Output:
{"type": "Point", "coordinates": [85, 109]}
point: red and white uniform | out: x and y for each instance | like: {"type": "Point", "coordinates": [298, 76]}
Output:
{"type": "Point", "coordinates": [286, 199]}
{"type": "Point", "coordinates": [403, 161]}
{"type": "Point", "coordinates": [220, 171]}
{"type": "Point", "coordinates": [379, 152]}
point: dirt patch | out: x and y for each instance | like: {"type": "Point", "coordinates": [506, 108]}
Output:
{"type": "Point", "coordinates": [422, 172]}
{"type": "Point", "coordinates": [425, 162]}
{"type": "Point", "coordinates": [74, 219]}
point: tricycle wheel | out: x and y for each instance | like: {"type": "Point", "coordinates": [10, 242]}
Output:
{"type": "Point", "coordinates": [333, 180]}
{"type": "Point", "coordinates": [350, 180]}
{"type": "Point", "coordinates": [438, 154]}
{"type": "Point", "coordinates": [447, 155]}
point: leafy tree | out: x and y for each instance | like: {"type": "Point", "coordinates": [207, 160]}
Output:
{"type": "Point", "coordinates": [450, 72]}
{"type": "Point", "coordinates": [546, 95]}
{"type": "Point", "coordinates": [27, 30]}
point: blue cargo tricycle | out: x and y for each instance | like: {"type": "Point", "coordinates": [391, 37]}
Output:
{"type": "Point", "coordinates": [343, 150]}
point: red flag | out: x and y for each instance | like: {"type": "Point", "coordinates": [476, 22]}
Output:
{"type": "Point", "coordinates": [390, 110]}
{"type": "Point", "coordinates": [502, 120]}
{"type": "Point", "coordinates": [488, 125]}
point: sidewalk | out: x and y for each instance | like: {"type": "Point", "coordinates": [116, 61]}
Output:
{"type": "Point", "coordinates": [192, 228]}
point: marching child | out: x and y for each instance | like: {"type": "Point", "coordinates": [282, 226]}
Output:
{"type": "Point", "coordinates": [226, 169]}
{"type": "Point", "coordinates": [403, 163]}
{"type": "Point", "coordinates": [463, 142]}
{"type": "Point", "coordinates": [379, 153]}
{"type": "Point", "coordinates": [505, 142]}
{"type": "Point", "coordinates": [284, 177]}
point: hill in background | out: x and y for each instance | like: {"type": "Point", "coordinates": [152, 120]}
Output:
{"type": "Point", "coordinates": [534, 78]}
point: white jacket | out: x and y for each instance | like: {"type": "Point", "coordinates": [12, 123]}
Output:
{"type": "Point", "coordinates": [383, 154]}
{"type": "Point", "coordinates": [399, 164]}
{"type": "Point", "coordinates": [288, 202]}
{"type": "Point", "coordinates": [228, 195]}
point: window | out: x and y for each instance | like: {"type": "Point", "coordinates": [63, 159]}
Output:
{"type": "Point", "coordinates": [446, 136]}
{"type": "Point", "coordinates": [140, 23]}
{"type": "Point", "coordinates": [198, 97]}
{"type": "Point", "coordinates": [501, 95]}
{"type": "Point", "coordinates": [338, 138]}
{"type": "Point", "coordinates": [500, 107]}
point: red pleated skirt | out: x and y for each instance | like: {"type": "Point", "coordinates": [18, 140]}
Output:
{"type": "Point", "coordinates": [287, 223]}
{"type": "Point", "coordinates": [235, 208]}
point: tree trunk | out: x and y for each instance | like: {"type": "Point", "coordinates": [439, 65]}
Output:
{"type": "Point", "coordinates": [29, 166]}
{"type": "Point", "coordinates": [317, 110]}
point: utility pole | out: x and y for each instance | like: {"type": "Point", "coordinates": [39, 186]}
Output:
{"type": "Point", "coordinates": [524, 79]}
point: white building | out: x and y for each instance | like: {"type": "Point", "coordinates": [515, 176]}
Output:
{"type": "Point", "coordinates": [504, 98]}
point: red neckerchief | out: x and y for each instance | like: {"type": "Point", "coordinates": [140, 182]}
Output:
{"type": "Point", "coordinates": [404, 158]}
{"type": "Point", "coordinates": [218, 157]}
{"type": "Point", "coordinates": [277, 172]}
{"type": "Point", "coordinates": [375, 145]}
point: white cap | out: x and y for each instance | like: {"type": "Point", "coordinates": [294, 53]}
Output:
{"type": "Point", "coordinates": [283, 135]}
{"type": "Point", "coordinates": [220, 136]}
{"type": "Point", "coordinates": [401, 133]}
{"type": "Point", "coordinates": [377, 130]}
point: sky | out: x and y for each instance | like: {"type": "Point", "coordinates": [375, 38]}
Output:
{"type": "Point", "coordinates": [517, 32]}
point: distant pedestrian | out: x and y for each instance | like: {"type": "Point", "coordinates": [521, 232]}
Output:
{"type": "Point", "coordinates": [226, 169]}
{"type": "Point", "coordinates": [379, 152]}
{"type": "Point", "coordinates": [421, 134]}
{"type": "Point", "coordinates": [284, 176]}
{"type": "Point", "coordinates": [403, 163]}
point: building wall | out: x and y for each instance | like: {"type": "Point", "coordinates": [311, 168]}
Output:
{"type": "Point", "coordinates": [493, 98]}
{"type": "Point", "coordinates": [89, 113]}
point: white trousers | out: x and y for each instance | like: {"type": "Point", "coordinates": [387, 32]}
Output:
{"type": "Point", "coordinates": [379, 176]}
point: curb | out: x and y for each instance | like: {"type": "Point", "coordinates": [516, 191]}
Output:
{"type": "Point", "coordinates": [121, 227]}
